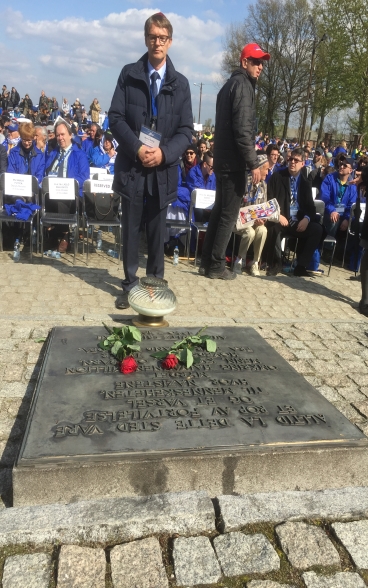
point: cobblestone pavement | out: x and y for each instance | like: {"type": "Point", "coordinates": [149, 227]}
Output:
{"type": "Point", "coordinates": [313, 323]}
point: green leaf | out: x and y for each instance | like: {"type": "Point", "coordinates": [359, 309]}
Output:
{"type": "Point", "coordinates": [160, 354]}
{"type": "Point", "coordinates": [115, 348]}
{"type": "Point", "coordinates": [177, 344]}
{"type": "Point", "coordinates": [189, 358]}
{"type": "Point", "coordinates": [106, 343]}
{"type": "Point", "coordinates": [136, 334]}
{"type": "Point", "coordinates": [116, 330]}
{"type": "Point", "coordinates": [134, 347]}
{"type": "Point", "coordinates": [211, 345]}
{"type": "Point", "coordinates": [186, 357]}
{"type": "Point", "coordinates": [40, 340]}
{"type": "Point", "coordinates": [121, 353]}
{"type": "Point", "coordinates": [196, 340]}
{"type": "Point", "coordinates": [111, 338]}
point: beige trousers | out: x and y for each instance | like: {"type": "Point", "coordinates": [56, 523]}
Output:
{"type": "Point", "coordinates": [250, 235]}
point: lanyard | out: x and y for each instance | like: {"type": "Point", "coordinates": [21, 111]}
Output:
{"type": "Point", "coordinates": [61, 160]}
{"type": "Point", "coordinates": [252, 200]}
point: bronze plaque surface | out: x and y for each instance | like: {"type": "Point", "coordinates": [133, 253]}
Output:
{"type": "Point", "coordinates": [244, 397]}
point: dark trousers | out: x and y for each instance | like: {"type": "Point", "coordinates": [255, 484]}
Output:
{"type": "Point", "coordinates": [230, 189]}
{"type": "Point", "coordinates": [308, 241]}
{"type": "Point", "coordinates": [143, 212]}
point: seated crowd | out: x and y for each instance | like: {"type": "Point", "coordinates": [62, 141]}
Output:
{"type": "Point", "coordinates": [67, 148]}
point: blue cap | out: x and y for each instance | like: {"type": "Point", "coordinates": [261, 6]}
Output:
{"type": "Point", "coordinates": [12, 128]}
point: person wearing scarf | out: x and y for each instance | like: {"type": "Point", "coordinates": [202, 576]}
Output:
{"type": "Point", "coordinates": [188, 161]}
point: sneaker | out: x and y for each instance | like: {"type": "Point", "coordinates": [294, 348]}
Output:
{"type": "Point", "coordinates": [225, 275]}
{"type": "Point", "coordinates": [122, 301]}
{"type": "Point", "coordinates": [301, 272]}
{"type": "Point", "coordinates": [254, 270]}
{"type": "Point", "coordinates": [238, 266]}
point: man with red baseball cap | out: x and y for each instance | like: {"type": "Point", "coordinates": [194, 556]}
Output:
{"type": "Point", "coordinates": [234, 155]}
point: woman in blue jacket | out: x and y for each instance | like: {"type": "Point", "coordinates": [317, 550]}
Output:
{"type": "Point", "coordinates": [104, 154]}
{"type": "Point", "coordinates": [25, 158]}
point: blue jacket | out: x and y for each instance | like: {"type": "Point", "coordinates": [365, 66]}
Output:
{"type": "Point", "coordinates": [100, 159]}
{"type": "Point", "coordinates": [339, 149]}
{"type": "Point", "coordinates": [130, 109]}
{"type": "Point", "coordinates": [330, 191]}
{"type": "Point", "coordinates": [77, 165]}
{"type": "Point", "coordinates": [195, 179]}
{"type": "Point", "coordinates": [18, 164]}
{"type": "Point", "coordinates": [87, 144]}
{"type": "Point", "coordinates": [183, 199]}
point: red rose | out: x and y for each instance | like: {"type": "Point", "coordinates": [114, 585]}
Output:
{"type": "Point", "coordinates": [169, 362]}
{"type": "Point", "coordinates": [128, 365]}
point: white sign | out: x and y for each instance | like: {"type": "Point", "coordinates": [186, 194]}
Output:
{"type": "Point", "coordinates": [198, 126]}
{"type": "Point", "coordinates": [102, 187]}
{"type": "Point", "coordinates": [204, 198]}
{"type": "Point", "coordinates": [96, 170]}
{"type": "Point", "coordinates": [18, 185]}
{"type": "Point", "coordinates": [362, 214]}
{"type": "Point", "coordinates": [61, 189]}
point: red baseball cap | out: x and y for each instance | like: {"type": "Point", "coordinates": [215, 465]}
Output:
{"type": "Point", "coordinates": [253, 50]}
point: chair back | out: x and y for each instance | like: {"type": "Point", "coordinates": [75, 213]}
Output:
{"type": "Point", "coordinates": [97, 170]}
{"type": "Point", "coordinates": [60, 189]}
{"type": "Point", "coordinates": [320, 209]}
{"type": "Point", "coordinates": [100, 203]}
{"type": "Point", "coordinates": [16, 186]}
{"type": "Point", "coordinates": [201, 199]}
{"type": "Point", "coordinates": [315, 193]}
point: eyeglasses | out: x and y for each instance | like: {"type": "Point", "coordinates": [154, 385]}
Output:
{"type": "Point", "coordinates": [209, 166]}
{"type": "Point", "coordinates": [162, 39]}
{"type": "Point", "coordinates": [290, 159]}
{"type": "Point", "coordinates": [190, 153]}
{"type": "Point", "coordinates": [255, 61]}
{"type": "Point", "coordinates": [344, 164]}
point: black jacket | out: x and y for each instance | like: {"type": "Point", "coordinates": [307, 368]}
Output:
{"type": "Point", "coordinates": [235, 124]}
{"type": "Point", "coordinates": [15, 98]}
{"type": "Point", "coordinates": [130, 109]}
{"type": "Point", "coordinates": [279, 187]}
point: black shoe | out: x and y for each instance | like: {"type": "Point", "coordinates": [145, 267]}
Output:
{"type": "Point", "coordinates": [122, 301]}
{"type": "Point", "coordinates": [225, 275]}
{"type": "Point", "coordinates": [203, 271]}
{"type": "Point", "coordinates": [301, 272]}
{"type": "Point", "coordinates": [363, 308]}
{"type": "Point", "coordinates": [273, 270]}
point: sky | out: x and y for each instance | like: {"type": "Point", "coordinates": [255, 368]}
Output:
{"type": "Point", "coordinates": [77, 49]}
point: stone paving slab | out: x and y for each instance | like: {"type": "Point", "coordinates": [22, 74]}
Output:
{"type": "Point", "coordinates": [267, 584]}
{"type": "Point", "coordinates": [339, 580]}
{"type": "Point", "coordinates": [195, 562]}
{"type": "Point", "coordinates": [307, 545]}
{"type": "Point", "coordinates": [27, 571]}
{"type": "Point", "coordinates": [109, 520]}
{"type": "Point", "coordinates": [81, 567]}
{"type": "Point", "coordinates": [354, 537]}
{"type": "Point", "coordinates": [340, 504]}
{"type": "Point", "coordinates": [245, 554]}
{"type": "Point", "coordinates": [138, 564]}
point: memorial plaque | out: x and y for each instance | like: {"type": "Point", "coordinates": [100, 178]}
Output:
{"type": "Point", "coordinates": [243, 397]}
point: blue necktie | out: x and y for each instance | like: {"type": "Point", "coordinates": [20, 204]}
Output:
{"type": "Point", "coordinates": [154, 77]}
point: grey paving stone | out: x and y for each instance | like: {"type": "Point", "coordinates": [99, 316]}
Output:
{"type": "Point", "coordinates": [195, 562]}
{"type": "Point", "coordinates": [185, 513]}
{"type": "Point", "coordinates": [267, 584]}
{"type": "Point", "coordinates": [354, 537]}
{"type": "Point", "coordinates": [138, 565]}
{"type": "Point", "coordinates": [340, 504]}
{"type": "Point", "coordinates": [81, 567]}
{"type": "Point", "coordinates": [307, 545]}
{"type": "Point", "coordinates": [240, 554]}
{"type": "Point", "coordinates": [339, 580]}
{"type": "Point", "coordinates": [27, 571]}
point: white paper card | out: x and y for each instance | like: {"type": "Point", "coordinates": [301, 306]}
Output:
{"type": "Point", "coordinates": [314, 193]}
{"type": "Point", "coordinates": [149, 138]}
{"type": "Point", "coordinates": [340, 209]}
{"type": "Point", "coordinates": [18, 185]}
{"type": "Point", "coordinates": [204, 198]}
{"type": "Point", "coordinates": [97, 170]}
{"type": "Point", "coordinates": [362, 214]}
{"type": "Point", "coordinates": [102, 187]}
{"type": "Point", "coordinates": [61, 189]}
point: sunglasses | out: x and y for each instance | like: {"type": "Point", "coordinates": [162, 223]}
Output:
{"type": "Point", "coordinates": [255, 61]}
{"type": "Point", "coordinates": [290, 159]}
{"type": "Point", "coordinates": [344, 164]}
{"type": "Point", "coordinates": [189, 153]}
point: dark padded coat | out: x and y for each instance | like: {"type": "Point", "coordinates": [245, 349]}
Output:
{"type": "Point", "coordinates": [279, 187]}
{"type": "Point", "coordinates": [235, 124]}
{"type": "Point", "coordinates": [3, 159]}
{"type": "Point", "coordinates": [131, 108]}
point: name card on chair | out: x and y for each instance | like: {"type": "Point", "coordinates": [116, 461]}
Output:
{"type": "Point", "coordinates": [18, 185]}
{"type": "Point", "coordinates": [362, 211]}
{"type": "Point", "coordinates": [102, 186]}
{"type": "Point", "coordinates": [61, 189]}
{"type": "Point", "coordinates": [97, 170]}
{"type": "Point", "coordinates": [204, 198]}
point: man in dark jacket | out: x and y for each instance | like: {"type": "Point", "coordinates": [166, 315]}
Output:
{"type": "Point", "coordinates": [3, 159]}
{"type": "Point", "coordinates": [150, 96]}
{"type": "Point", "coordinates": [293, 190]}
{"type": "Point", "coordinates": [234, 153]}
